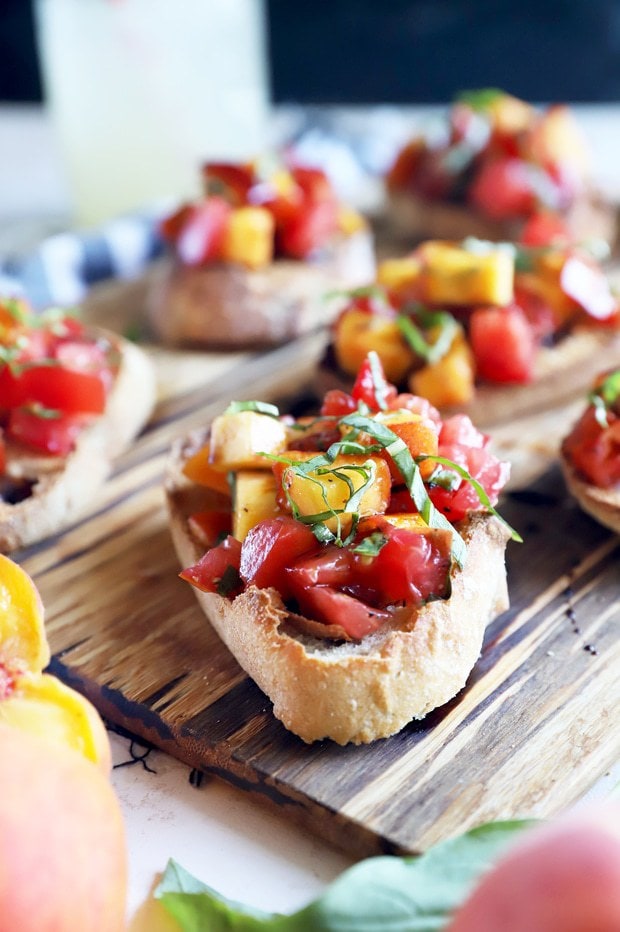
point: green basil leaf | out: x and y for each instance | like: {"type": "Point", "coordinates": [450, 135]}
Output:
{"type": "Point", "coordinates": [230, 582]}
{"type": "Point", "coordinates": [478, 488]}
{"type": "Point", "coordinates": [416, 894]}
{"type": "Point", "coordinates": [379, 383]}
{"type": "Point", "coordinates": [410, 472]}
{"type": "Point", "coordinates": [431, 352]}
{"type": "Point", "coordinates": [370, 546]}
{"type": "Point", "coordinates": [261, 407]}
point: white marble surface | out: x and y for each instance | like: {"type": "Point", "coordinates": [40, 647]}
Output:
{"type": "Point", "coordinates": [215, 831]}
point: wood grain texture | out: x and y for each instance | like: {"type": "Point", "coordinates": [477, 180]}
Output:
{"type": "Point", "coordinates": [535, 727]}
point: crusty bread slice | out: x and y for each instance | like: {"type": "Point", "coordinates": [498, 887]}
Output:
{"type": "Point", "coordinates": [227, 305]}
{"type": "Point", "coordinates": [413, 219]}
{"type": "Point", "coordinates": [355, 691]}
{"type": "Point", "coordinates": [561, 373]}
{"type": "Point", "coordinates": [601, 504]}
{"type": "Point", "coordinates": [60, 487]}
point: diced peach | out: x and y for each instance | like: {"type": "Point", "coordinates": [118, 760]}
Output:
{"type": "Point", "coordinates": [418, 433]}
{"type": "Point", "coordinates": [450, 380]}
{"type": "Point", "coordinates": [254, 500]}
{"type": "Point", "coordinates": [199, 470]}
{"type": "Point", "coordinates": [556, 139]}
{"type": "Point", "coordinates": [358, 332]}
{"type": "Point", "coordinates": [249, 237]}
{"type": "Point", "coordinates": [399, 276]}
{"type": "Point", "coordinates": [509, 114]}
{"type": "Point", "coordinates": [238, 439]}
{"type": "Point", "coordinates": [453, 275]}
{"type": "Point", "coordinates": [317, 493]}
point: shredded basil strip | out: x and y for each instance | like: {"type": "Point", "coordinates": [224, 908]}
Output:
{"type": "Point", "coordinates": [379, 383]}
{"type": "Point", "coordinates": [322, 464]}
{"type": "Point", "coordinates": [410, 472]}
{"type": "Point", "coordinates": [365, 291]}
{"type": "Point", "coordinates": [371, 545]}
{"type": "Point", "coordinates": [478, 488]}
{"type": "Point", "coordinates": [605, 396]}
{"type": "Point", "coordinates": [261, 407]}
{"type": "Point", "coordinates": [431, 352]}
{"type": "Point", "coordinates": [229, 582]}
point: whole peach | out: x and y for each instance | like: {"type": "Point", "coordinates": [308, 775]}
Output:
{"type": "Point", "coordinates": [563, 876]}
{"type": "Point", "coordinates": [63, 861]}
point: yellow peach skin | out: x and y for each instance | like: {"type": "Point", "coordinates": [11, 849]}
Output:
{"type": "Point", "coordinates": [23, 644]}
{"type": "Point", "coordinates": [63, 860]}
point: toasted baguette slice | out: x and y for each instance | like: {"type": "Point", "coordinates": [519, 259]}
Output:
{"type": "Point", "coordinates": [411, 219]}
{"type": "Point", "coordinates": [601, 504]}
{"type": "Point", "coordinates": [561, 374]}
{"type": "Point", "coordinates": [355, 691]}
{"type": "Point", "coordinates": [227, 305]}
{"type": "Point", "coordinates": [60, 487]}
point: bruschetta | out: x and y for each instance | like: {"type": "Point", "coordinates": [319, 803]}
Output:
{"type": "Point", "coordinates": [498, 330]}
{"type": "Point", "coordinates": [254, 260]}
{"type": "Point", "coordinates": [71, 399]}
{"type": "Point", "coordinates": [590, 453]}
{"type": "Point", "coordinates": [350, 561]}
{"type": "Point", "coordinates": [497, 168]}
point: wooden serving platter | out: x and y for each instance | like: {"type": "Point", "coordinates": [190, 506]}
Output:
{"type": "Point", "coordinates": [535, 727]}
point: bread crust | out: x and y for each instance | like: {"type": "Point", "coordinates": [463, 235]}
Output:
{"type": "Point", "coordinates": [590, 217]}
{"type": "Point", "coordinates": [352, 692]}
{"type": "Point", "coordinates": [601, 504]}
{"type": "Point", "coordinates": [561, 373]}
{"type": "Point", "coordinates": [63, 486]}
{"type": "Point", "coordinates": [227, 305]}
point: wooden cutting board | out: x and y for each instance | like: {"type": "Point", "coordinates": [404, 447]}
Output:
{"type": "Point", "coordinates": [535, 727]}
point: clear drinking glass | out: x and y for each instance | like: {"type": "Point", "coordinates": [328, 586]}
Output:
{"type": "Point", "coordinates": [142, 91]}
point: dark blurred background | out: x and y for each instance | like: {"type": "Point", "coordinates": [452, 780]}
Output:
{"type": "Point", "coordinates": [393, 51]}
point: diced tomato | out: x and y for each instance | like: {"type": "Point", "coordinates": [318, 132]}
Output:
{"type": "Point", "coordinates": [410, 568]}
{"type": "Point", "coordinates": [503, 188]}
{"type": "Point", "coordinates": [270, 547]}
{"type": "Point", "coordinates": [503, 344]}
{"type": "Point", "coordinates": [460, 429]}
{"type": "Point", "coordinates": [481, 464]}
{"type": "Point", "coordinates": [403, 170]}
{"type": "Point", "coordinates": [314, 183]}
{"type": "Point", "coordinates": [540, 315]}
{"type": "Point", "coordinates": [210, 527]}
{"type": "Point", "coordinates": [218, 569]}
{"type": "Point", "coordinates": [63, 389]}
{"type": "Point", "coordinates": [544, 228]}
{"type": "Point", "coordinates": [371, 385]}
{"type": "Point", "coordinates": [416, 404]}
{"type": "Point", "coordinates": [314, 223]}
{"type": "Point", "coordinates": [2, 453]}
{"type": "Point", "coordinates": [595, 450]}
{"type": "Point", "coordinates": [588, 285]}
{"type": "Point", "coordinates": [334, 607]}
{"type": "Point", "coordinates": [337, 403]}
{"type": "Point", "coordinates": [201, 236]}
{"type": "Point", "coordinates": [170, 227]}
{"type": "Point", "coordinates": [56, 434]}
{"type": "Point", "coordinates": [228, 180]}
{"type": "Point", "coordinates": [331, 566]}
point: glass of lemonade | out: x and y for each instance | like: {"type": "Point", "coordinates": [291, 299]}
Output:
{"type": "Point", "coordinates": [142, 91]}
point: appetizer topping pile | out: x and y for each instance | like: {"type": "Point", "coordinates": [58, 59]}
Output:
{"type": "Point", "coordinates": [593, 445]}
{"type": "Point", "coordinates": [253, 213]}
{"type": "Point", "coordinates": [54, 379]}
{"type": "Point", "coordinates": [453, 314]}
{"type": "Point", "coordinates": [352, 516]}
{"type": "Point", "coordinates": [498, 155]}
